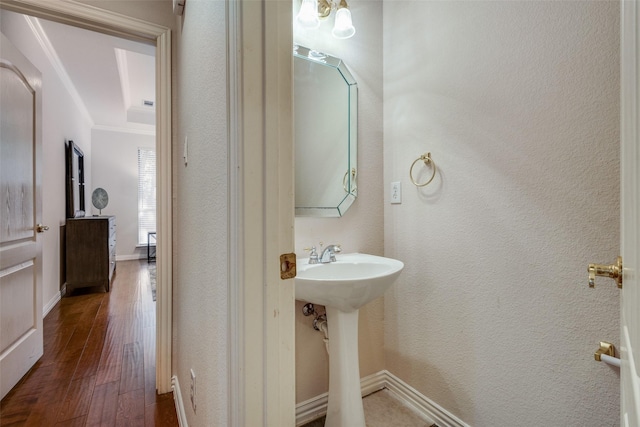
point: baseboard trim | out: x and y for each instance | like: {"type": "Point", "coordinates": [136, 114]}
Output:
{"type": "Point", "coordinates": [421, 403]}
{"type": "Point", "coordinates": [52, 303]}
{"type": "Point", "coordinates": [177, 399]}
{"type": "Point", "coordinates": [133, 257]}
{"type": "Point", "coordinates": [316, 407]}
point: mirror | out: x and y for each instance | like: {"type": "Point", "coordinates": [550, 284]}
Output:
{"type": "Point", "coordinates": [326, 108]}
{"type": "Point", "coordinates": [75, 180]}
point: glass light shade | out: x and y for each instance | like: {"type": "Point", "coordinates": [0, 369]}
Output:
{"type": "Point", "coordinates": [308, 15]}
{"type": "Point", "coordinates": [343, 27]}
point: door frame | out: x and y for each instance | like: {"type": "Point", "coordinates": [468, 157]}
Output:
{"type": "Point", "coordinates": [261, 213]}
{"type": "Point", "coordinates": [104, 21]}
{"type": "Point", "coordinates": [629, 210]}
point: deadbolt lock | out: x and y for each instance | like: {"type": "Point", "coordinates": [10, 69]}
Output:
{"type": "Point", "coordinates": [613, 271]}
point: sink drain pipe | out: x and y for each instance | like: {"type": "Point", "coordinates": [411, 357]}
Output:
{"type": "Point", "coordinates": [319, 322]}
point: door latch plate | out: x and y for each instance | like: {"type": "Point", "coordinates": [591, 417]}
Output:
{"type": "Point", "coordinates": [287, 266]}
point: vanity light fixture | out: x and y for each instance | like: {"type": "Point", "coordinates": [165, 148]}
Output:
{"type": "Point", "coordinates": [308, 15]}
{"type": "Point", "coordinates": [343, 27]}
{"type": "Point", "coordinates": [312, 11]}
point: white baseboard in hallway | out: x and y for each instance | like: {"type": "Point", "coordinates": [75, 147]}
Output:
{"type": "Point", "coordinates": [425, 411]}
{"type": "Point", "coordinates": [177, 398]}
{"type": "Point", "coordinates": [52, 303]}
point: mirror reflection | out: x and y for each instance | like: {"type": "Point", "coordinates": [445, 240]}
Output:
{"type": "Point", "coordinates": [75, 181]}
{"type": "Point", "coordinates": [325, 103]}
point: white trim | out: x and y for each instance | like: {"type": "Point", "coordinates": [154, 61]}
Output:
{"type": "Point", "coordinates": [89, 17]}
{"type": "Point", "coordinates": [133, 257]}
{"type": "Point", "coordinates": [56, 63]}
{"type": "Point", "coordinates": [164, 207]}
{"type": "Point", "coordinates": [374, 382]}
{"type": "Point", "coordinates": [261, 359]}
{"type": "Point", "coordinates": [178, 402]}
{"type": "Point", "coordinates": [123, 71]}
{"type": "Point", "coordinates": [311, 409]}
{"type": "Point", "coordinates": [421, 403]}
{"type": "Point", "coordinates": [278, 213]}
{"type": "Point", "coordinates": [235, 359]}
{"type": "Point", "coordinates": [92, 18]}
{"type": "Point", "coordinates": [151, 132]}
{"type": "Point", "coordinates": [316, 407]}
{"type": "Point", "coordinates": [52, 303]}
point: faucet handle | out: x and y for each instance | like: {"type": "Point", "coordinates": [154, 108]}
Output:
{"type": "Point", "coordinates": [313, 255]}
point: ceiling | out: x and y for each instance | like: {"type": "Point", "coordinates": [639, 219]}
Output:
{"type": "Point", "coordinates": [111, 79]}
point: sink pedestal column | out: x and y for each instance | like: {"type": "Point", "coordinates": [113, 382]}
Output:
{"type": "Point", "coordinates": [345, 398]}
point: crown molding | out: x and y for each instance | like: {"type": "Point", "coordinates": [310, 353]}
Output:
{"type": "Point", "coordinates": [56, 63]}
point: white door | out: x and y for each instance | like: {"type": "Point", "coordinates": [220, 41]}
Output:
{"type": "Point", "coordinates": [630, 221]}
{"type": "Point", "coordinates": [20, 216]}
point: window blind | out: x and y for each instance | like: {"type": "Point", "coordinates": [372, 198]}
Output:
{"type": "Point", "coordinates": [146, 193]}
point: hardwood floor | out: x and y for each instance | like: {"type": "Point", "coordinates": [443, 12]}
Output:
{"type": "Point", "coordinates": [98, 367]}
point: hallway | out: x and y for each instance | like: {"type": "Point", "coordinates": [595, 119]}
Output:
{"type": "Point", "coordinates": [98, 367]}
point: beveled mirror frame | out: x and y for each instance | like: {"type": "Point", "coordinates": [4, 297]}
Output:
{"type": "Point", "coordinates": [326, 133]}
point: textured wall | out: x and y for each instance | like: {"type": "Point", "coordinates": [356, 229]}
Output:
{"type": "Point", "coordinates": [201, 223]}
{"type": "Point", "coordinates": [518, 103]}
{"type": "Point", "coordinates": [58, 124]}
{"type": "Point", "coordinates": [360, 229]}
{"type": "Point", "coordinates": [115, 168]}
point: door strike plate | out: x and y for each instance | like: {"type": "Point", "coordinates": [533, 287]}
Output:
{"type": "Point", "coordinates": [287, 266]}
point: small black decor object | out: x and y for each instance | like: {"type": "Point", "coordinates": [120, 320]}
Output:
{"type": "Point", "coordinates": [100, 199]}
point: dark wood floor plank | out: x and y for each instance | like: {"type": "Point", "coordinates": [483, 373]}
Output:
{"type": "Point", "coordinates": [76, 422]}
{"type": "Point", "coordinates": [90, 358]}
{"type": "Point", "coordinates": [110, 365]}
{"type": "Point", "coordinates": [104, 405]}
{"type": "Point", "coordinates": [131, 409]}
{"type": "Point", "coordinates": [149, 335]}
{"type": "Point", "coordinates": [132, 368]}
{"type": "Point", "coordinates": [98, 367]}
{"type": "Point", "coordinates": [161, 414]}
{"type": "Point", "coordinates": [77, 400]}
{"type": "Point", "coordinates": [43, 415]}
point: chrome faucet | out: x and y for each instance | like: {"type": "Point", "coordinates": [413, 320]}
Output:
{"type": "Point", "coordinates": [329, 254]}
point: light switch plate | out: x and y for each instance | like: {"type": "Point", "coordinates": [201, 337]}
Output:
{"type": "Point", "coordinates": [396, 192]}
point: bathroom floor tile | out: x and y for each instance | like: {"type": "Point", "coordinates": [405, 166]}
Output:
{"type": "Point", "coordinates": [383, 409]}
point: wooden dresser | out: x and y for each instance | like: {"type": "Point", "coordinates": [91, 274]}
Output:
{"type": "Point", "coordinates": [91, 251]}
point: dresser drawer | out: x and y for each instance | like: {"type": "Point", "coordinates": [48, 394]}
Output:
{"type": "Point", "coordinates": [91, 251]}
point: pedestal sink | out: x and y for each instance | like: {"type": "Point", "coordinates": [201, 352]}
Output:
{"type": "Point", "coordinates": [343, 286]}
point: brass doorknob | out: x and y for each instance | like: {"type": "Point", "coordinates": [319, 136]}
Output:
{"type": "Point", "coordinates": [41, 228]}
{"type": "Point", "coordinates": [613, 271]}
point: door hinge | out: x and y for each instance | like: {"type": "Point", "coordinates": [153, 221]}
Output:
{"type": "Point", "coordinates": [287, 266]}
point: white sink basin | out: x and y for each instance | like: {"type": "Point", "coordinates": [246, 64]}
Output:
{"type": "Point", "coordinates": [348, 283]}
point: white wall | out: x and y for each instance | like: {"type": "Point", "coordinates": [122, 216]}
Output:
{"type": "Point", "coordinates": [518, 104]}
{"type": "Point", "coordinates": [115, 168]}
{"type": "Point", "coordinates": [200, 306]}
{"type": "Point", "coordinates": [61, 121]}
{"type": "Point", "coordinates": [361, 228]}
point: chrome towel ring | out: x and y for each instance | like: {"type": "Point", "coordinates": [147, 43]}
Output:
{"type": "Point", "coordinates": [426, 158]}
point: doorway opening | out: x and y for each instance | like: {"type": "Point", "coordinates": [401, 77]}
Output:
{"type": "Point", "coordinates": [159, 38]}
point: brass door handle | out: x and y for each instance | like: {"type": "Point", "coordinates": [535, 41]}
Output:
{"type": "Point", "coordinates": [41, 228]}
{"type": "Point", "coordinates": [613, 271]}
